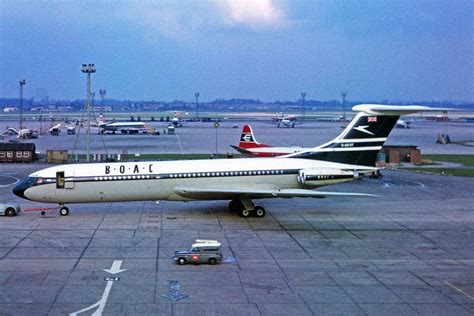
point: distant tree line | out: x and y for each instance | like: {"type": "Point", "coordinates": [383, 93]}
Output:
{"type": "Point", "coordinates": [219, 104]}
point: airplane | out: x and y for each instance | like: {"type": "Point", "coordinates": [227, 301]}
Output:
{"type": "Point", "coordinates": [250, 147]}
{"type": "Point", "coordinates": [403, 124]}
{"type": "Point", "coordinates": [284, 120]}
{"type": "Point", "coordinates": [342, 159]}
{"type": "Point", "coordinates": [24, 133]}
{"type": "Point", "coordinates": [176, 121]}
{"type": "Point", "coordinates": [124, 127]}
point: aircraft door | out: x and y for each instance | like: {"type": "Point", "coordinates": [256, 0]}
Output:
{"type": "Point", "coordinates": [60, 180]}
{"type": "Point", "coordinates": [64, 183]}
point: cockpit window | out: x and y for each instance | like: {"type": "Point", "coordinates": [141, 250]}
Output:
{"type": "Point", "coordinates": [29, 181]}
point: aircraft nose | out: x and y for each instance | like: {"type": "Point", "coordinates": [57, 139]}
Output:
{"type": "Point", "coordinates": [21, 187]}
{"type": "Point", "coordinates": [19, 191]}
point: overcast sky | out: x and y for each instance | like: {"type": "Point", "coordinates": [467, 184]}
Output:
{"type": "Point", "coordinates": [266, 49]}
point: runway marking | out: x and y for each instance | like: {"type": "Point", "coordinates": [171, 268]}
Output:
{"type": "Point", "coordinates": [101, 303]}
{"type": "Point", "coordinates": [420, 184]}
{"type": "Point", "coordinates": [459, 290]}
{"type": "Point", "coordinates": [180, 146]}
{"type": "Point", "coordinates": [13, 183]}
{"type": "Point", "coordinates": [174, 293]}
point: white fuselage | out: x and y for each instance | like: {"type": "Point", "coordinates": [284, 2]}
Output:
{"type": "Point", "coordinates": [158, 180]}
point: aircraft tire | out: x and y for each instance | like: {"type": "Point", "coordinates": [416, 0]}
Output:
{"type": "Point", "coordinates": [259, 211]}
{"type": "Point", "coordinates": [10, 212]}
{"type": "Point", "coordinates": [64, 211]}
{"type": "Point", "coordinates": [244, 213]}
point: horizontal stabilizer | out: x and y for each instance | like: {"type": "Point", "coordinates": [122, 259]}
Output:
{"type": "Point", "coordinates": [379, 109]}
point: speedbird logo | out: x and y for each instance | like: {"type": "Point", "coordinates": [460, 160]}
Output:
{"type": "Point", "coordinates": [363, 129]}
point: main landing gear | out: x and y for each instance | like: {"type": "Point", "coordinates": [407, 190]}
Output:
{"type": "Point", "coordinates": [246, 208]}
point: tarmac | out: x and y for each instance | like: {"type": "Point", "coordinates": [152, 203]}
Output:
{"type": "Point", "coordinates": [408, 251]}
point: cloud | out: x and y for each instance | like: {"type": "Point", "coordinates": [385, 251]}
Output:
{"type": "Point", "coordinates": [190, 20]}
{"type": "Point", "coordinates": [252, 13]}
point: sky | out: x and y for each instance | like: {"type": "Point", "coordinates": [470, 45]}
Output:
{"type": "Point", "coordinates": [257, 49]}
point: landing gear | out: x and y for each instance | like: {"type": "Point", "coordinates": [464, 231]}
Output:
{"type": "Point", "coordinates": [259, 211]}
{"type": "Point", "coordinates": [246, 208]}
{"type": "Point", "coordinates": [235, 205]}
{"type": "Point", "coordinates": [63, 210]}
{"type": "Point", "coordinates": [244, 213]}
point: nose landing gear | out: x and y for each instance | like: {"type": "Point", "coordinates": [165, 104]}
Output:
{"type": "Point", "coordinates": [63, 210]}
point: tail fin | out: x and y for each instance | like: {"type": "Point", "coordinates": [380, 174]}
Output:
{"type": "Point", "coordinates": [365, 135]}
{"type": "Point", "coordinates": [101, 119]}
{"type": "Point", "coordinates": [247, 140]}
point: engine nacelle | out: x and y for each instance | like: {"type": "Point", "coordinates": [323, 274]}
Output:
{"type": "Point", "coordinates": [325, 176]}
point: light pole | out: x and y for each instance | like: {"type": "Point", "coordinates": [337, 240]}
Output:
{"type": "Point", "coordinates": [303, 95]}
{"type": "Point", "coordinates": [92, 97]}
{"type": "Point", "coordinates": [88, 69]}
{"type": "Point", "coordinates": [22, 83]}
{"type": "Point", "coordinates": [102, 93]}
{"type": "Point", "coordinates": [344, 94]}
{"type": "Point", "coordinates": [197, 104]}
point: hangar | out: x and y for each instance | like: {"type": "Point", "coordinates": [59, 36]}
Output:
{"type": "Point", "coordinates": [17, 152]}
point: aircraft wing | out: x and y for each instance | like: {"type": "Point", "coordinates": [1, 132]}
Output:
{"type": "Point", "coordinates": [227, 193]}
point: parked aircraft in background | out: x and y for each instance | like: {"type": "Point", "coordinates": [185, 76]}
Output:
{"type": "Point", "coordinates": [176, 121]}
{"type": "Point", "coordinates": [282, 120]}
{"type": "Point", "coordinates": [403, 124]}
{"type": "Point", "coordinates": [24, 133]}
{"type": "Point", "coordinates": [342, 159]}
{"type": "Point", "coordinates": [124, 127]}
{"type": "Point", "coordinates": [249, 146]}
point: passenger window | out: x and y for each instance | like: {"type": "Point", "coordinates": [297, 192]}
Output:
{"type": "Point", "coordinates": [196, 250]}
{"type": "Point", "coordinates": [60, 180]}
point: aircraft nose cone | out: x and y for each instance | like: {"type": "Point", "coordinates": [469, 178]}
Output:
{"type": "Point", "coordinates": [21, 187]}
{"type": "Point", "coordinates": [19, 191]}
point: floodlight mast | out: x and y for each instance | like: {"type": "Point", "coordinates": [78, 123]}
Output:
{"type": "Point", "coordinates": [344, 95]}
{"type": "Point", "coordinates": [88, 69]}
{"type": "Point", "coordinates": [102, 93]}
{"type": "Point", "coordinates": [303, 109]}
{"type": "Point", "coordinates": [22, 83]}
{"type": "Point", "coordinates": [196, 95]}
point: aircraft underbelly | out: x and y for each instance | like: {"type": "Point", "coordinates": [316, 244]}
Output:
{"type": "Point", "coordinates": [110, 191]}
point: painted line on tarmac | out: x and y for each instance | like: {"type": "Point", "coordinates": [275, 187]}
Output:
{"type": "Point", "coordinates": [13, 183]}
{"type": "Point", "coordinates": [103, 301]}
{"type": "Point", "coordinates": [459, 290]}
